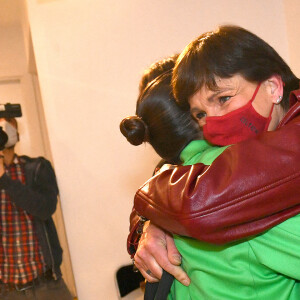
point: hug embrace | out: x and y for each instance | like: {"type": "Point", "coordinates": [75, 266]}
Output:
{"type": "Point", "coordinates": [224, 221]}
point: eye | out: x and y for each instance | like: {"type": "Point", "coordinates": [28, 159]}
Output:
{"type": "Point", "coordinates": [199, 115]}
{"type": "Point", "coordinates": [224, 99]}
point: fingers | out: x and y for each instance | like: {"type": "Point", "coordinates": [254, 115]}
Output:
{"type": "Point", "coordinates": [152, 255]}
{"type": "Point", "coordinates": [151, 241]}
{"type": "Point", "coordinates": [168, 266]}
{"type": "Point", "coordinates": [173, 254]}
{"type": "Point", "coordinates": [178, 273]}
{"type": "Point", "coordinates": [147, 274]}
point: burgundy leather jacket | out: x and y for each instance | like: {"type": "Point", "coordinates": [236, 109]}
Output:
{"type": "Point", "coordinates": [251, 187]}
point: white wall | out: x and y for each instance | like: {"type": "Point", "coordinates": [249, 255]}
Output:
{"type": "Point", "coordinates": [90, 55]}
{"type": "Point", "coordinates": [292, 12]}
{"type": "Point", "coordinates": [12, 51]}
{"type": "Point", "coordinates": [16, 85]}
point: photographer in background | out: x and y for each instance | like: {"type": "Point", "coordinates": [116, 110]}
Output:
{"type": "Point", "coordinates": [30, 253]}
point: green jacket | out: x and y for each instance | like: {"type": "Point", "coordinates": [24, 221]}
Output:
{"type": "Point", "coordinates": [265, 267]}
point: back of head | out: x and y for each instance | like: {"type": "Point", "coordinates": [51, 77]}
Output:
{"type": "Point", "coordinates": [223, 53]}
{"type": "Point", "coordinates": [160, 121]}
{"type": "Point", "coordinates": [156, 69]}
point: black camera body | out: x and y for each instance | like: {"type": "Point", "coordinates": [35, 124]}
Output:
{"type": "Point", "coordinates": [8, 111]}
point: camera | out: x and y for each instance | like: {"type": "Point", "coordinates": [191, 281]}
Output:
{"type": "Point", "coordinates": [7, 111]}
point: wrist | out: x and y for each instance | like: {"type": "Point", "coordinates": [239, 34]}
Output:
{"type": "Point", "coordinates": [145, 225]}
{"type": "Point", "coordinates": [141, 226]}
{"type": "Point", "coordinates": [135, 234]}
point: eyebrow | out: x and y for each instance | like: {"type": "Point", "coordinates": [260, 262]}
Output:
{"type": "Point", "coordinates": [211, 97]}
{"type": "Point", "coordinates": [194, 110]}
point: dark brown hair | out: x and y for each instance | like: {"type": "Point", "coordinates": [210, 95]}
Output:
{"type": "Point", "coordinates": [156, 69]}
{"type": "Point", "coordinates": [223, 53]}
{"type": "Point", "coordinates": [160, 121]}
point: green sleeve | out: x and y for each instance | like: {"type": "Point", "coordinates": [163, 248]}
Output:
{"type": "Point", "coordinates": [279, 248]}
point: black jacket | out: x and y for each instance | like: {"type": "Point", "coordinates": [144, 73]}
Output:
{"type": "Point", "coordinates": [38, 197]}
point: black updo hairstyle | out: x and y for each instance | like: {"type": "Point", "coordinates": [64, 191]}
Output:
{"type": "Point", "coordinates": [160, 121]}
{"type": "Point", "coordinates": [156, 69]}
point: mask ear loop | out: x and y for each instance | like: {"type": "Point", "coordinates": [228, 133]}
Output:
{"type": "Point", "coordinates": [270, 115]}
{"type": "Point", "coordinates": [255, 92]}
{"type": "Point", "coordinates": [269, 118]}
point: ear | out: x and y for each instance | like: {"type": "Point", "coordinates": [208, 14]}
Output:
{"type": "Point", "coordinates": [274, 86]}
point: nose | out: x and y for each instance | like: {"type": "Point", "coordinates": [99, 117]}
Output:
{"type": "Point", "coordinates": [213, 111]}
{"type": "Point", "coordinates": [202, 122]}
{"type": "Point", "coordinates": [210, 112]}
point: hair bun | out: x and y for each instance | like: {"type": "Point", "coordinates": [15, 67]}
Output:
{"type": "Point", "coordinates": [134, 129]}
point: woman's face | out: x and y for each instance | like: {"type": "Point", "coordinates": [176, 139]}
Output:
{"type": "Point", "coordinates": [233, 93]}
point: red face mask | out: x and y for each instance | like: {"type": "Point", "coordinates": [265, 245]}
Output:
{"type": "Point", "coordinates": [236, 126]}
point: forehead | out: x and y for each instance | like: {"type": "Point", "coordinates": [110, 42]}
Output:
{"type": "Point", "coordinates": [12, 121]}
{"type": "Point", "coordinates": [207, 96]}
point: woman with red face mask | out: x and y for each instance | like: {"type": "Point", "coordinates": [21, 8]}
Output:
{"type": "Point", "coordinates": [215, 270]}
{"type": "Point", "coordinates": [240, 91]}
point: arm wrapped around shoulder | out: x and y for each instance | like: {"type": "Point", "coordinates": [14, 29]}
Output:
{"type": "Point", "coordinates": [249, 188]}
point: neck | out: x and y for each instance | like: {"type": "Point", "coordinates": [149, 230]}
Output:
{"type": "Point", "coordinates": [277, 115]}
{"type": "Point", "coordinates": [9, 155]}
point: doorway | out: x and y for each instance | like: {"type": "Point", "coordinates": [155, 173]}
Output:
{"type": "Point", "coordinates": [19, 84]}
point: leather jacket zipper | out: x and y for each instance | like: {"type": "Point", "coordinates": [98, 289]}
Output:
{"type": "Point", "coordinates": [46, 233]}
{"type": "Point", "coordinates": [51, 254]}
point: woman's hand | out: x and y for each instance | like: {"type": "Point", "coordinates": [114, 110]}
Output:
{"type": "Point", "coordinates": [157, 251]}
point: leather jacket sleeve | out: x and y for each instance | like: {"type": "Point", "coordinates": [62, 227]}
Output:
{"type": "Point", "coordinates": [137, 222]}
{"type": "Point", "coordinates": [248, 189]}
{"type": "Point", "coordinates": [135, 231]}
